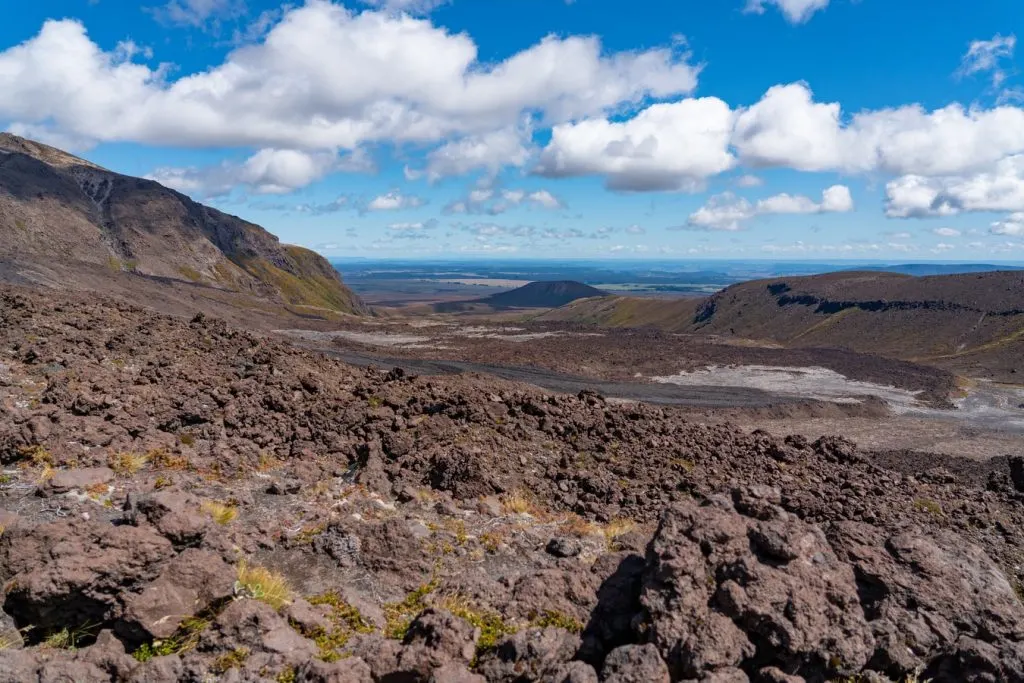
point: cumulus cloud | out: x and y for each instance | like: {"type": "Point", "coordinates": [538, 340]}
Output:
{"type": "Point", "coordinates": [493, 201]}
{"type": "Point", "coordinates": [1001, 189]}
{"type": "Point", "coordinates": [729, 212]}
{"type": "Point", "coordinates": [325, 77]}
{"type": "Point", "coordinates": [749, 180]}
{"type": "Point", "coordinates": [1011, 225]}
{"type": "Point", "coordinates": [490, 151]}
{"type": "Point", "coordinates": [636, 230]}
{"type": "Point", "coordinates": [669, 146]}
{"type": "Point", "coordinates": [676, 146]}
{"type": "Point", "coordinates": [394, 201]}
{"type": "Point", "coordinates": [787, 128]}
{"type": "Point", "coordinates": [987, 56]}
{"type": "Point", "coordinates": [946, 232]}
{"type": "Point", "coordinates": [269, 171]}
{"type": "Point", "coordinates": [795, 11]}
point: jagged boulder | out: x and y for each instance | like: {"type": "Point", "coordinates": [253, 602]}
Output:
{"type": "Point", "coordinates": [71, 573]}
{"type": "Point", "coordinates": [750, 585]}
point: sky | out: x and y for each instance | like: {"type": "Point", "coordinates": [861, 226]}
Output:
{"type": "Point", "coordinates": [790, 129]}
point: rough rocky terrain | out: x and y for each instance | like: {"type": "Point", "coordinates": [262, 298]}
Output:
{"type": "Point", "coordinates": [185, 501]}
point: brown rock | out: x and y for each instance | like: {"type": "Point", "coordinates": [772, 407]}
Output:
{"type": "Point", "coordinates": [71, 573]}
{"type": "Point", "coordinates": [76, 480]}
{"type": "Point", "coordinates": [634, 664]}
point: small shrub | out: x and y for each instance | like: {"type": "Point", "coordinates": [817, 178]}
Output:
{"type": "Point", "coordinates": [307, 534]}
{"type": "Point", "coordinates": [183, 640]}
{"type": "Point", "coordinates": [491, 624]}
{"type": "Point", "coordinates": [928, 506]}
{"type": "Point", "coordinates": [230, 660]}
{"type": "Point", "coordinates": [222, 514]}
{"type": "Point", "coordinates": [69, 638]}
{"type": "Point", "coordinates": [398, 615]}
{"type": "Point", "coordinates": [162, 482]}
{"type": "Point", "coordinates": [46, 474]}
{"type": "Point", "coordinates": [5, 479]}
{"type": "Point", "coordinates": [187, 439]}
{"type": "Point", "coordinates": [36, 455]}
{"type": "Point", "coordinates": [556, 619]}
{"type": "Point", "coordinates": [289, 675]}
{"type": "Point", "coordinates": [491, 542]}
{"type": "Point", "coordinates": [263, 584]}
{"type": "Point", "coordinates": [161, 458]}
{"type": "Point", "coordinates": [126, 464]}
{"type": "Point", "coordinates": [374, 401]}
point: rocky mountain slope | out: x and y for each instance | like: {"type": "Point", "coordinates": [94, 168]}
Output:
{"type": "Point", "coordinates": [972, 323]}
{"type": "Point", "coordinates": [186, 501]}
{"type": "Point", "coordinates": [67, 222]}
{"type": "Point", "coordinates": [543, 294]}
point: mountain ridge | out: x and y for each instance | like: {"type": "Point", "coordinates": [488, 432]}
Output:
{"type": "Point", "coordinates": [971, 322]}
{"type": "Point", "coordinates": [66, 214]}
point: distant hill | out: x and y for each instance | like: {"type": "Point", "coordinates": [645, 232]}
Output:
{"type": "Point", "coordinates": [546, 294]}
{"type": "Point", "coordinates": [67, 222]}
{"type": "Point", "coordinates": [972, 322]}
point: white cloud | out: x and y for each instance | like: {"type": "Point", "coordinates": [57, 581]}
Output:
{"type": "Point", "coordinates": [946, 232]}
{"type": "Point", "coordinates": [325, 77]}
{"type": "Point", "coordinates": [987, 56]}
{"type": "Point", "coordinates": [665, 147]}
{"type": "Point", "coordinates": [490, 151]}
{"type": "Point", "coordinates": [749, 180]}
{"type": "Point", "coordinates": [394, 201]}
{"type": "Point", "coordinates": [676, 146]}
{"type": "Point", "coordinates": [729, 212]}
{"type": "Point", "coordinates": [269, 171]}
{"type": "Point", "coordinates": [636, 230]}
{"type": "Point", "coordinates": [491, 201]}
{"type": "Point", "coordinates": [795, 11]}
{"type": "Point", "coordinates": [787, 128]}
{"type": "Point", "coordinates": [1001, 189]}
{"type": "Point", "coordinates": [1011, 225]}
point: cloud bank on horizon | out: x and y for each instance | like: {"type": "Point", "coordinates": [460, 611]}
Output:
{"type": "Point", "coordinates": [569, 142]}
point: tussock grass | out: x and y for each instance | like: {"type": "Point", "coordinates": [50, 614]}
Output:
{"type": "Point", "coordinates": [520, 503]}
{"type": "Point", "coordinates": [263, 584]}
{"type": "Point", "coordinates": [222, 514]}
{"type": "Point", "coordinates": [69, 638]}
{"type": "Point", "coordinates": [126, 464]}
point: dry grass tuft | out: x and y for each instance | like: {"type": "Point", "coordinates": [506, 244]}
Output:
{"type": "Point", "coordinates": [126, 464]}
{"type": "Point", "coordinates": [618, 527]}
{"type": "Point", "coordinates": [264, 585]}
{"type": "Point", "coordinates": [519, 503]}
{"type": "Point", "coordinates": [221, 513]}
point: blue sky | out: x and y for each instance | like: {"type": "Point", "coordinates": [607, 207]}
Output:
{"type": "Point", "coordinates": [544, 128]}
